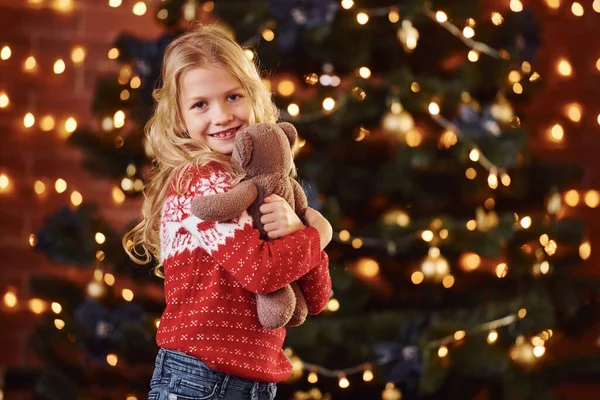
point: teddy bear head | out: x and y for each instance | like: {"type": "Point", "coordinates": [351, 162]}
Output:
{"type": "Point", "coordinates": [265, 148]}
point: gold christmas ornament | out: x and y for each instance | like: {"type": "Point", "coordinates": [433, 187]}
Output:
{"type": "Point", "coordinates": [398, 123]}
{"type": "Point", "coordinates": [435, 266]}
{"type": "Point", "coordinates": [408, 36]}
{"type": "Point", "coordinates": [391, 392]}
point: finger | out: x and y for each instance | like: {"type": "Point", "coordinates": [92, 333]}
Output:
{"type": "Point", "coordinates": [274, 197]}
{"type": "Point", "coordinates": [276, 234]}
{"type": "Point", "coordinates": [270, 227]}
{"type": "Point", "coordinates": [267, 208]}
{"type": "Point", "coordinates": [268, 218]}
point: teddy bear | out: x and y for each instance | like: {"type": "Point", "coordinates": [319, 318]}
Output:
{"type": "Point", "coordinates": [264, 152]}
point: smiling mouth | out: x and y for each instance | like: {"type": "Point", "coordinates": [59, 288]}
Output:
{"type": "Point", "coordinates": [226, 134]}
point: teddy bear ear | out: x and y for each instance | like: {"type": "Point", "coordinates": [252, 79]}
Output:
{"type": "Point", "coordinates": [290, 132]}
{"type": "Point", "coordinates": [243, 147]}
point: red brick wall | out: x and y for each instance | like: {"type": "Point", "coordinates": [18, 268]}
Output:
{"type": "Point", "coordinates": [29, 154]}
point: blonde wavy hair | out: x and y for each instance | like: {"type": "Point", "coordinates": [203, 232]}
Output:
{"type": "Point", "coordinates": [175, 152]}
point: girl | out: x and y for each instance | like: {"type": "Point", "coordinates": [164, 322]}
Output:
{"type": "Point", "coordinates": [211, 342]}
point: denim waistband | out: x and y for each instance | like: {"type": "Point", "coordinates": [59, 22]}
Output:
{"type": "Point", "coordinates": [190, 365]}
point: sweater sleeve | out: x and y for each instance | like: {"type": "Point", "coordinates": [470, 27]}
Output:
{"type": "Point", "coordinates": [259, 266]}
{"type": "Point", "coordinates": [316, 286]}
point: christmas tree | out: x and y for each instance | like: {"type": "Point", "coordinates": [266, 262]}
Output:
{"type": "Point", "coordinates": [453, 260]}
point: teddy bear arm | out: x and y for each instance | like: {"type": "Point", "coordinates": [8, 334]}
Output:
{"type": "Point", "coordinates": [225, 206]}
{"type": "Point", "coordinates": [301, 203]}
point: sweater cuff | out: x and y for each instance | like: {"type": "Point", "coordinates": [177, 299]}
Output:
{"type": "Point", "coordinates": [315, 245]}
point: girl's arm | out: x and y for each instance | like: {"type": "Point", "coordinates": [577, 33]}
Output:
{"type": "Point", "coordinates": [259, 266]}
{"type": "Point", "coordinates": [316, 286]}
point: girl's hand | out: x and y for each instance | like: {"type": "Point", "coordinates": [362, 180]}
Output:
{"type": "Point", "coordinates": [278, 218]}
{"type": "Point", "coordinates": [315, 219]}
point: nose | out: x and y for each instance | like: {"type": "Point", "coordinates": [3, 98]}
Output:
{"type": "Point", "coordinates": [221, 115]}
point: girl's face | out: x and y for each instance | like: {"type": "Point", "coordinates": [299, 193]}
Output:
{"type": "Point", "coordinates": [214, 107]}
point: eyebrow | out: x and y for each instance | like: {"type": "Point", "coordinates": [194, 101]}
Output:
{"type": "Point", "coordinates": [194, 99]}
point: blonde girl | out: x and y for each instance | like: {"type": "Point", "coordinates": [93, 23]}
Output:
{"type": "Point", "coordinates": [211, 344]}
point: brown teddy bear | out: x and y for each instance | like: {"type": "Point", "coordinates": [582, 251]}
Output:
{"type": "Point", "coordinates": [263, 151]}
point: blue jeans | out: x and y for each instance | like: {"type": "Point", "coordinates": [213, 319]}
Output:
{"type": "Point", "coordinates": [178, 376]}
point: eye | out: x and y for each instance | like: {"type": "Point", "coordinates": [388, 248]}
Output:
{"type": "Point", "coordinates": [234, 97]}
{"type": "Point", "coordinates": [200, 105]}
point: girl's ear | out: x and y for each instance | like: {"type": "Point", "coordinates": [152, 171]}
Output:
{"type": "Point", "coordinates": [243, 148]}
{"type": "Point", "coordinates": [290, 132]}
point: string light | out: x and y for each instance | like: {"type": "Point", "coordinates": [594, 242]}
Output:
{"type": "Point", "coordinates": [577, 9]}
{"type": "Point", "coordinates": [78, 55]}
{"type": "Point", "coordinates": [442, 351]}
{"type": "Point", "coordinates": [364, 72]}
{"type": "Point", "coordinates": [59, 66]}
{"type": "Point", "coordinates": [554, 4]}
{"type": "Point", "coordinates": [30, 63]}
{"type": "Point", "coordinates": [112, 359]}
{"type": "Point", "coordinates": [28, 120]}
{"type": "Point", "coordinates": [268, 35]}
{"type": "Point", "coordinates": [441, 16]}
{"type": "Point", "coordinates": [497, 18]}
{"type": "Point", "coordinates": [10, 299]}
{"type": "Point", "coordinates": [139, 8]}
{"type": "Point", "coordinates": [344, 383]}
{"type": "Point", "coordinates": [39, 187]}
{"type": "Point", "coordinates": [572, 198]}
{"type": "Point", "coordinates": [47, 123]}
{"type": "Point", "coordinates": [516, 5]}
{"type": "Point", "coordinates": [127, 294]}
{"type": "Point", "coordinates": [592, 198]}
{"type": "Point", "coordinates": [70, 124]}
{"type": "Point", "coordinates": [5, 53]}
{"type": "Point", "coordinates": [76, 198]}
{"type": "Point", "coordinates": [347, 4]}
{"type": "Point", "coordinates": [564, 67]}
{"type": "Point", "coordinates": [4, 100]}
{"type": "Point", "coordinates": [286, 87]}
{"type": "Point", "coordinates": [573, 112]}
{"type": "Point", "coordinates": [557, 133]}
{"type": "Point", "coordinates": [473, 56]}
{"type": "Point", "coordinates": [114, 3]}
{"type": "Point", "coordinates": [585, 250]}
{"type": "Point", "coordinates": [60, 185]}
{"type": "Point", "coordinates": [63, 5]}
{"type": "Point", "coordinates": [362, 18]}
{"type": "Point", "coordinates": [328, 104]}
{"type": "Point", "coordinates": [113, 54]}
{"type": "Point", "coordinates": [596, 5]}
{"type": "Point", "coordinates": [468, 32]}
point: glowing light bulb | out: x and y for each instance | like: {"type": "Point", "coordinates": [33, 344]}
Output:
{"type": "Point", "coordinates": [577, 9]}
{"type": "Point", "coordinates": [516, 5]}
{"type": "Point", "coordinates": [328, 104]}
{"type": "Point", "coordinates": [434, 108]}
{"type": "Point", "coordinates": [59, 66]}
{"type": "Point", "coordinates": [362, 18]}
{"type": "Point", "coordinates": [564, 67]}
{"type": "Point", "coordinates": [441, 16]}
{"type": "Point", "coordinates": [5, 53]}
{"type": "Point", "coordinates": [139, 8]}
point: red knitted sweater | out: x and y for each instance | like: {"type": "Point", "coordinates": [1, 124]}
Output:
{"type": "Point", "coordinates": [213, 269]}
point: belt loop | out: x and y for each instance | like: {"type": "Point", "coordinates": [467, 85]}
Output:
{"type": "Point", "coordinates": [160, 362]}
{"type": "Point", "coordinates": [254, 392]}
{"type": "Point", "coordinates": [224, 385]}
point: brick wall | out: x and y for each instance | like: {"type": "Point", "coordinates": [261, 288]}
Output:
{"type": "Point", "coordinates": [29, 154]}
